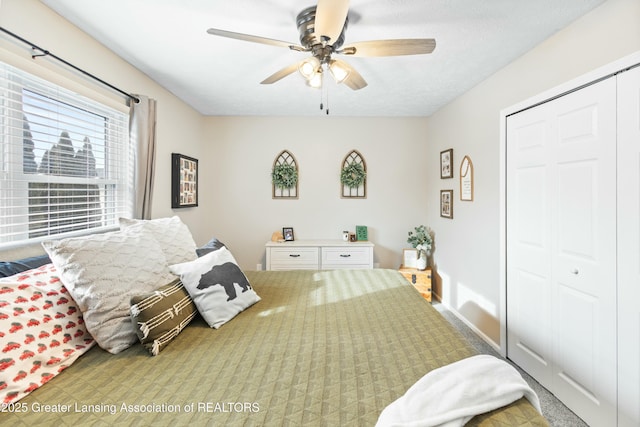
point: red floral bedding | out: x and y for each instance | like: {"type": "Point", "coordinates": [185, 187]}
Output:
{"type": "Point", "coordinates": [41, 332]}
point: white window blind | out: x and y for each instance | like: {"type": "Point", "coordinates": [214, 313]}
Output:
{"type": "Point", "coordinates": [66, 161]}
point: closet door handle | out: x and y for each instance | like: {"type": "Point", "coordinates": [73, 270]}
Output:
{"type": "Point", "coordinates": [575, 271]}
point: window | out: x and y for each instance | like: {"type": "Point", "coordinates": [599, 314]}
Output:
{"type": "Point", "coordinates": [66, 162]}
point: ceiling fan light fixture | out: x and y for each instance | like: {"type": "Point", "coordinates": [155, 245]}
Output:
{"type": "Point", "coordinates": [309, 67]}
{"type": "Point", "coordinates": [339, 71]}
{"type": "Point", "coordinates": [315, 81]}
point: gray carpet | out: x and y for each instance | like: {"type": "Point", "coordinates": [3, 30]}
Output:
{"type": "Point", "coordinates": [554, 411]}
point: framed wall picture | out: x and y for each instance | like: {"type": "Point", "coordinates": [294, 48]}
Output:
{"type": "Point", "coordinates": [446, 203]}
{"type": "Point", "coordinates": [446, 163]}
{"type": "Point", "coordinates": [466, 179]}
{"type": "Point", "coordinates": [287, 232]}
{"type": "Point", "coordinates": [184, 181]}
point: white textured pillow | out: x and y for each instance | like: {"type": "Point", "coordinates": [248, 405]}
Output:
{"type": "Point", "coordinates": [102, 272]}
{"type": "Point", "coordinates": [171, 233]}
{"type": "Point", "coordinates": [218, 287]}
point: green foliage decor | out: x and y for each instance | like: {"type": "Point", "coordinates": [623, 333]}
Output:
{"type": "Point", "coordinates": [353, 175]}
{"type": "Point", "coordinates": [421, 239]}
{"type": "Point", "coordinates": [284, 176]}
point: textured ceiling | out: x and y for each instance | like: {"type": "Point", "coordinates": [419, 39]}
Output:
{"type": "Point", "coordinates": [167, 40]}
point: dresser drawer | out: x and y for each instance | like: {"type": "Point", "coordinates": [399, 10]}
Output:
{"type": "Point", "coordinates": [346, 257]}
{"type": "Point", "coordinates": [294, 258]}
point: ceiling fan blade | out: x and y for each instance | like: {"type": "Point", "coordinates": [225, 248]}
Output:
{"type": "Point", "coordinates": [390, 47]}
{"type": "Point", "coordinates": [330, 18]}
{"type": "Point", "coordinates": [254, 39]}
{"type": "Point", "coordinates": [280, 74]}
{"type": "Point", "coordinates": [355, 80]}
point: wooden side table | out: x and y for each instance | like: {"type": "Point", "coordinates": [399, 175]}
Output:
{"type": "Point", "coordinates": [420, 279]}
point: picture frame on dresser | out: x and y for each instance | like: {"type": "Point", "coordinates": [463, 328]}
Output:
{"type": "Point", "coordinates": [362, 233]}
{"type": "Point", "coordinates": [409, 258]}
{"type": "Point", "coordinates": [287, 232]}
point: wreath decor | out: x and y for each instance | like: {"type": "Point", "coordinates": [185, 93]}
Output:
{"type": "Point", "coordinates": [284, 176]}
{"type": "Point", "coordinates": [353, 175]}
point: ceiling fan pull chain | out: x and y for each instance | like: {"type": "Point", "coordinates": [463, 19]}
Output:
{"type": "Point", "coordinates": [326, 97]}
{"type": "Point", "coordinates": [327, 100]}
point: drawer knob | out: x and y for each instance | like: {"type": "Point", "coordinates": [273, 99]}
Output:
{"type": "Point", "coordinates": [294, 255]}
{"type": "Point", "coordinates": [345, 255]}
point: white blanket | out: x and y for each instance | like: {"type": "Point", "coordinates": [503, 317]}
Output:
{"type": "Point", "coordinates": [453, 394]}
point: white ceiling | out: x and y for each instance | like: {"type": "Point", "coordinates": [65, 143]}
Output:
{"type": "Point", "coordinates": [167, 40]}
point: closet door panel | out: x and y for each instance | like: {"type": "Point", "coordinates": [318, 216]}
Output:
{"type": "Point", "coordinates": [530, 347]}
{"type": "Point", "coordinates": [531, 204]}
{"type": "Point", "coordinates": [576, 206]}
{"type": "Point", "coordinates": [578, 312]}
{"type": "Point", "coordinates": [584, 252]}
{"type": "Point", "coordinates": [629, 248]}
{"type": "Point", "coordinates": [528, 244]}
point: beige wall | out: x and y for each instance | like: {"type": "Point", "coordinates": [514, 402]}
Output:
{"type": "Point", "coordinates": [468, 247]}
{"type": "Point", "coordinates": [237, 182]}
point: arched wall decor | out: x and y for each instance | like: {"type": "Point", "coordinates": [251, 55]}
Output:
{"type": "Point", "coordinates": [285, 176]}
{"type": "Point", "coordinates": [466, 179]}
{"type": "Point", "coordinates": [353, 176]}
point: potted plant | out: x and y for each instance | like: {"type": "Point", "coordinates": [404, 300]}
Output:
{"type": "Point", "coordinates": [421, 238]}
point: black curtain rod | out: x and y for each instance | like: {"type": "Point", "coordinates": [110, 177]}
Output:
{"type": "Point", "coordinates": [47, 53]}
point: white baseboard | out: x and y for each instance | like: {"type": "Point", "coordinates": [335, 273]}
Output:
{"type": "Point", "coordinates": [471, 326]}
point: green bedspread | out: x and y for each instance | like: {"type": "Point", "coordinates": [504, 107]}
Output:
{"type": "Point", "coordinates": [329, 348]}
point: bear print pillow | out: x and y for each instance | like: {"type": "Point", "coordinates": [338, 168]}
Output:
{"type": "Point", "coordinates": [218, 287]}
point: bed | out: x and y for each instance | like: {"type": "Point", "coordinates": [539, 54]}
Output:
{"type": "Point", "coordinates": [297, 348]}
{"type": "Point", "coordinates": [320, 348]}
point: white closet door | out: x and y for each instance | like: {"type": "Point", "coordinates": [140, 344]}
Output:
{"type": "Point", "coordinates": [629, 248]}
{"type": "Point", "coordinates": [529, 339]}
{"type": "Point", "coordinates": [561, 244]}
{"type": "Point", "coordinates": [584, 253]}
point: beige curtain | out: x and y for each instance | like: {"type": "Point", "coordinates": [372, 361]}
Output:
{"type": "Point", "coordinates": [142, 131]}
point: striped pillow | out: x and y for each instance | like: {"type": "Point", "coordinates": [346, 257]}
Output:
{"type": "Point", "coordinates": [161, 315]}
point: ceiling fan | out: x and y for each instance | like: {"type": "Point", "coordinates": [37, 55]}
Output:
{"type": "Point", "coordinates": [322, 32]}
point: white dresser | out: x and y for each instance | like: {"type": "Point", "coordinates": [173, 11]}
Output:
{"type": "Point", "coordinates": [318, 255]}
